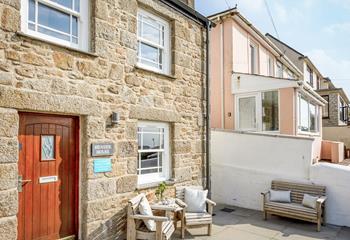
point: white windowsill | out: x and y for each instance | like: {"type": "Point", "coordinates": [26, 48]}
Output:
{"type": "Point", "coordinates": [144, 68]}
{"type": "Point", "coordinates": [143, 186]}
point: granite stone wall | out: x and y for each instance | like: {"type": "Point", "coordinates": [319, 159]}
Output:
{"type": "Point", "coordinates": [37, 76]}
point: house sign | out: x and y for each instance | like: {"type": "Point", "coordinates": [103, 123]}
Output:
{"type": "Point", "coordinates": [102, 149]}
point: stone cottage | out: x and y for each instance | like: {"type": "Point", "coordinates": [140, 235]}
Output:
{"type": "Point", "coordinates": [99, 100]}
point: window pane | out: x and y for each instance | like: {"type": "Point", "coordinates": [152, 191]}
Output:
{"type": "Point", "coordinates": [149, 160]}
{"type": "Point", "coordinates": [53, 33]}
{"type": "Point", "coordinates": [53, 18]}
{"type": "Point", "coordinates": [75, 26]}
{"type": "Point", "coordinates": [326, 107]}
{"type": "Point", "coordinates": [247, 113]}
{"type": "Point", "coordinates": [65, 3]}
{"type": "Point", "coordinates": [77, 5]}
{"type": "Point", "coordinates": [31, 11]}
{"type": "Point", "coordinates": [151, 33]}
{"type": "Point", "coordinates": [313, 118]}
{"type": "Point", "coordinates": [149, 53]}
{"type": "Point", "coordinates": [304, 115]}
{"type": "Point", "coordinates": [47, 147]}
{"type": "Point", "coordinates": [151, 141]}
{"type": "Point", "coordinates": [270, 117]}
{"type": "Point", "coordinates": [252, 59]}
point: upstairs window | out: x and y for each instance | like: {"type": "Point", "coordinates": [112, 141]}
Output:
{"type": "Point", "coordinates": [253, 50]}
{"type": "Point", "coordinates": [153, 35]}
{"type": "Point", "coordinates": [343, 111]}
{"type": "Point", "coordinates": [310, 77]}
{"type": "Point", "coordinates": [325, 109]}
{"type": "Point", "coordinates": [63, 22]}
{"type": "Point", "coordinates": [270, 66]}
{"type": "Point", "coordinates": [279, 70]}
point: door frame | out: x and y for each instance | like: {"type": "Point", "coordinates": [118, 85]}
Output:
{"type": "Point", "coordinates": [77, 123]}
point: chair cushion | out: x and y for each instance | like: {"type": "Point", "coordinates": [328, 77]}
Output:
{"type": "Point", "coordinates": [196, 200]}
{"type": "Point", "coordinates": [145, 209]}
{"type": "Point", "coordinates": [309, 201]}
{"type": "Point", "coordinates": [280, 196]}
{"type": "Point", "coordinates": [291, 208]}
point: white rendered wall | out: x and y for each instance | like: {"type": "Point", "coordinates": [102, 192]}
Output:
{"type": "Point", "coordinates": [243, 165]}
{"type": "Point", "coordinates": [337, 180]}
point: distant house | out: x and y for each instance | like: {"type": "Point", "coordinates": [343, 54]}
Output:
{"type": "Point", "coordinates": [336, 111]}
{"type": "Point", "coordinates": [255, 86]}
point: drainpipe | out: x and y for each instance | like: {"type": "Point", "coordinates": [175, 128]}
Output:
{"type": "Point", "coordinates": [208, 166]}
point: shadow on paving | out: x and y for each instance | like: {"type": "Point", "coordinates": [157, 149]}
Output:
{"type": "Point", "coordinates": [245, 224]}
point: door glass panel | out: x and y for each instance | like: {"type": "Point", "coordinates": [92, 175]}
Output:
{"type": "Point", "coordinates": [47, 147]}
{"type": "Point", "coordinates": [270, 113]}
{"type": "Point", "coordinates": [247, 113]}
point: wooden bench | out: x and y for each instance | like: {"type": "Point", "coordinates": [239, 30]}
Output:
{"type": "Point", "coordinates": [295, 209]}
{"type": "Point", "coordinates": [136, 229]}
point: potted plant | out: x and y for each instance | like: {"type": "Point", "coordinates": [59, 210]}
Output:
{"type": "Point", "coordinates": [160, 191]}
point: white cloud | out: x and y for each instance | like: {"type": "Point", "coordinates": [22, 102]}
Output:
{"type": "Point", "coordinates": [336, 69]}
{"type": "Point", "coordinates": [337, 28]}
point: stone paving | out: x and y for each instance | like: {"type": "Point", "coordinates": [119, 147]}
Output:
{"type": "Point", "coordinates": [244, 224]}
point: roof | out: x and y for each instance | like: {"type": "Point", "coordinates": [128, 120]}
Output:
{"type": "Point", "coordinates": [295, 56]}
{"type": "Point", "coordinates": [187, 11]}
{"type": "Point", "coordinates": [269, 44]}
{"type": "Point", "coordinates": [340, 91]}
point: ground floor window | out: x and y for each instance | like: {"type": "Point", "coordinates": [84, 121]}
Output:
{"type": "Point", "coordinates": [308, 115]}
{"type": "Point", "coordinates": [153, 152]}
{"type": "Point", "coordinates": [258, 111]}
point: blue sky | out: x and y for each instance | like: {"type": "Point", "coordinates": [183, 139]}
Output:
{"type": "Point", "coordinates": [320, 29]}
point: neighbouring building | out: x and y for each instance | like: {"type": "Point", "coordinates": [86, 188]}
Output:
{"type": "Point", "coordinates": [255, 86]}
{"type": "Point", "coordinates": [99, 100]}
{"type": "Point", "coordinates": [335, 110]}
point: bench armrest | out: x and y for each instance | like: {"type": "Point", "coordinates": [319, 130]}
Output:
{"type": "Point", "coordinates": [265, 193]}
{"type": "Point", "coordinates": [155, 218]}
{"type": "Point", "coordinates": [321, 200]}
{"type": "Point", "coordinates": [210, 202]}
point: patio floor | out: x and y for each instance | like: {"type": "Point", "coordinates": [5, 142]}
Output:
{"type": "Point", "coordinates": [244, 224]}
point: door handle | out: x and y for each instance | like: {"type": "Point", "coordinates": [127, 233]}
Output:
{"type": "Point", "coordinates": [21, 181]}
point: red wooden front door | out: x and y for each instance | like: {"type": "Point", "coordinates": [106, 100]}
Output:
{"type": "Point", "coordinates": [48, 167]}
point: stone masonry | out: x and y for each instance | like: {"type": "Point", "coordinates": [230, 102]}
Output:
{"type": "Point", "coordinates": [334, 111]}
{"type": "Point", "coordinates": [37, 76]}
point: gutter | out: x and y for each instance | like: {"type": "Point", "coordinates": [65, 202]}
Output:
{"type": "Point", "coordinates": [306, 88]}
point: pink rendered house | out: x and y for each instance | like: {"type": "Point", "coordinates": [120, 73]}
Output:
{"type": "Point", "coordinates": [256, 88]}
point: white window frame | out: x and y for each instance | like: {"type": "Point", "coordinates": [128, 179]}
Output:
{"type": "Point", "coordinates": [279, 65]}
{"type": "Point", "coordinates": [270, 66]}
{"type": "Point", "coordinates": [165, 49]}
{"type": "Point", "coordinates": [255, 46]}
{"type": "Point", "coordinates": [317, 117]}
{"type": "Point", "coordinates": [83, 23]}
{"type": "Point", "coordinates": [258, 112]}
{"type": "Point", "coordinates": [166, 164]}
